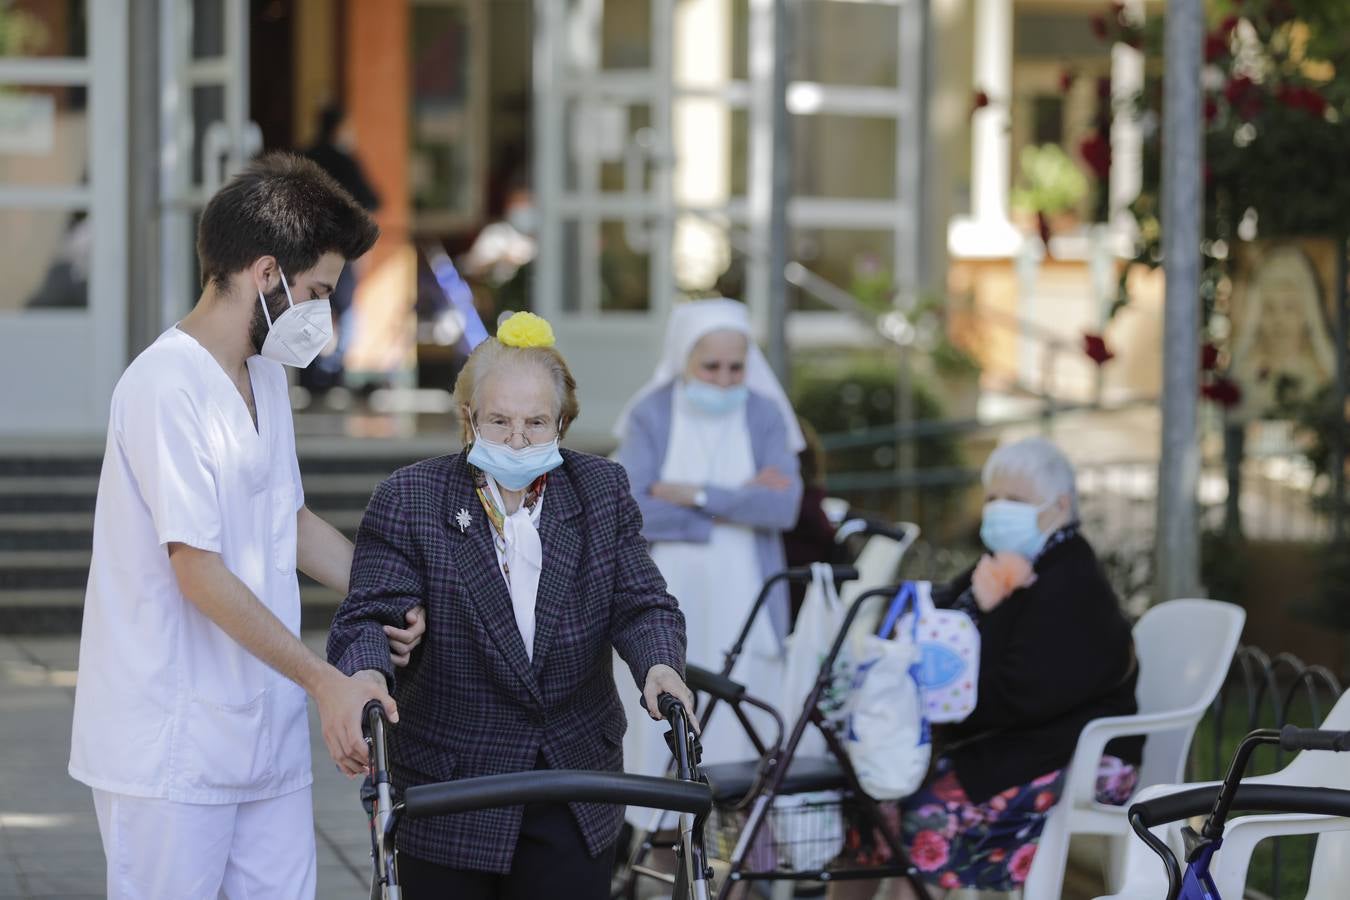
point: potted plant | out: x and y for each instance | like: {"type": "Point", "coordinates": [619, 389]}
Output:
{"type": "Point", "coordinates": [1050, 189]}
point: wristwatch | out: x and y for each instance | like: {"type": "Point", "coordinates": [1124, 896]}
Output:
{"type": "Point", "coordinates": [701, 499]}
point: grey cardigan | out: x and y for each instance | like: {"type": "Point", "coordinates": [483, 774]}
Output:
{"type": "Point", "coordinates": [643, 453]}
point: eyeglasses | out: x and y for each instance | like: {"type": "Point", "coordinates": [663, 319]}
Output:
{"type": "Point", "coordinates": [501, 430]}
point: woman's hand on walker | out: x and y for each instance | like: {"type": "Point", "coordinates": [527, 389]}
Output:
{"type": "Point", "coordinates": [402, 641]}
{"type": "Point", "coordinates": [662, 679]}
{"type": "Point", "coordinates": [678, 494]}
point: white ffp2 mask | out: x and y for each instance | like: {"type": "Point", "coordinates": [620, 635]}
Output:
{"type": "Point", "coordinates": [298, 335]}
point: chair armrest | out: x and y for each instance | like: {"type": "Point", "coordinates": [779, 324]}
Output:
{"type": "Point", "coordinates": [1080, 786]}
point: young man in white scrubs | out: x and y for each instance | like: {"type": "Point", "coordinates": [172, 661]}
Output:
{"type": "Point", "coordinates": [190, 711]}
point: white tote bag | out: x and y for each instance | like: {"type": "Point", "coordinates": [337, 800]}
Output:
{"type": "Point", "coordinates": [888, 737]}
{"type": "Point", "coordinates": [949, 657]}
{"type": "Point", "coordinates": [818, 622]}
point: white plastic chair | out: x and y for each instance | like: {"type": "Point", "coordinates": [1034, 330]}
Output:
{"type": "Point", "coordinates": [1146, 880]}
{"type": "Point", "coordinates": [1184, 648]}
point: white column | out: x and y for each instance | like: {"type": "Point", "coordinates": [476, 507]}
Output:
{"type": "Point", "coordinates": [987, 231]}
{"type": "Point", "coordinates": [702, 137]}
{"type": "Point", "coordinates": [1127, 80]}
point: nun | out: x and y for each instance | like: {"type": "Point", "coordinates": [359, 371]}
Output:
{"type": "Point", "coordinates": [710, 444]}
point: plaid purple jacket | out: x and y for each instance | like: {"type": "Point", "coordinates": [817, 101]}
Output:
{"type": "Point", "coordinates": [470, 701]}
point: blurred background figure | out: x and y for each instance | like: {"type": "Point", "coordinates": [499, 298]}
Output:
{"type": "Point", "coordinates": [334, 150]}
{"type": "Point", "coordinates": [710, 444]}
{"type": "Point", "coordinates": [501, 254]}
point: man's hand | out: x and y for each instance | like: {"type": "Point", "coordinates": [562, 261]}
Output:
{"type": "Point", "coordinates": [771, 478]}
{"type": "Point", "coordinates": [402, 641]}
{"type": "Point", "coordinates": [662, 679]}
{"type": "Point", "coordinates": [678, 494]}
{"type": "Point", "coordinates": [340, 700]}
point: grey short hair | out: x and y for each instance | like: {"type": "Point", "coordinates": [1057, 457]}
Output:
{"type": "Point", "coordinates": [1038, 461]}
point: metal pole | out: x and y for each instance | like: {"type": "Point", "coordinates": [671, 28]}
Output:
{"type": "Point", "coordinates": [1338, 434]}
{"type": "Point", "coordinates": [780, 129]}
{"type": "Point", "coordinates": [1177, 534]}
{"type": "Point", "coordinates": [143, 222]}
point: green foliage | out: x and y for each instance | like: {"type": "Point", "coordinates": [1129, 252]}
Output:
{"type": "Point", "coordinates": [21, 32]}
{"type": "Point", "coordinates": [1276, 125]}
{"type": "Point", "coordinates": [855, 393]}
{"type": "Point", "coordinates": [1051, 182]}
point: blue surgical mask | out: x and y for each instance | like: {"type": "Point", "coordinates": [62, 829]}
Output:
{"type": "Point", "coordinates": [514, 469]}
{"type": "Point", "coordinates": [1011, 525]}
{"type": "Point", "coordinates": [713, 400]}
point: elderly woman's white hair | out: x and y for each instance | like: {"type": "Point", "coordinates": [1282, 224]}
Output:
{"type": "Point", "coordinates": [1040, 463]}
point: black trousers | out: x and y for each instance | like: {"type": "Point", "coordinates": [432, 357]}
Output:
{"type": "Point", "coordinates": [551, 861]}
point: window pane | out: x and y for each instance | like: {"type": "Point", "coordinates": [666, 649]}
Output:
{"type": "Point", "coordinates": [208, 107]}
{"type": "Point", "coordinates": [846, 43]}
{"type": "Point", "coordinates": [44, 137]}
{"type": "Point", "coordinates": [860, 262]}
{"type": "Point", "coordinates": [208, 28]}
{"type": "Point", "coordinates": [600, 133]}
{"type": "Point", "coordinates": [43, 28]}
{"type": "Point", "coordinates": [846, 157]}
{"type": "Point", "coordinates": [441, 165]}
{"type": "Point", "coordinates": [624, 282]}
{"type": "Point", "coordinates": [45, 257]}
{"type": "Point", "coordinates": [623, 277]}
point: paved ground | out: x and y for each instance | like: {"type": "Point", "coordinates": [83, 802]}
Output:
{"type": "Point", "coordinates": [49, 843]}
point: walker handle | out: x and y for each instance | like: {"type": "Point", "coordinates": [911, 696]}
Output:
{"type": "Point", "coordinates": [1292, 738]}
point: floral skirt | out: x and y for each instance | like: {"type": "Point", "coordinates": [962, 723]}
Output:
{"type": "Point", "coordinates": [989, 846]}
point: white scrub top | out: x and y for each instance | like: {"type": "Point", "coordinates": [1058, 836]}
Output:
{"type": "Point", "coordinates": [166, 704]}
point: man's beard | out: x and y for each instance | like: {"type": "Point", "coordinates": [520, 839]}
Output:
{"type": "Point", "coordinates": [258, 328]}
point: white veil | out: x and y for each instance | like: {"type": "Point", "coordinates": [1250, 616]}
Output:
{"type": "Point", "coordinates": [689, 322]}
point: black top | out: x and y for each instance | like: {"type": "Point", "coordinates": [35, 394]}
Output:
{"type": "Point", "coordinates": [346, 171]}
{"type": "Point", "coordinates": [1053, 656]}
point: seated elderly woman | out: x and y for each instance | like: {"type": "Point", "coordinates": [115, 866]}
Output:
{"type": "Point", "coordinates": [1056, 652]}
{"type": "Point", "coordinates": [531, 566]}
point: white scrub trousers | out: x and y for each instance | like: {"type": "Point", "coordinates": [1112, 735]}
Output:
{"type": "Point", "coordinates": [161, 850]}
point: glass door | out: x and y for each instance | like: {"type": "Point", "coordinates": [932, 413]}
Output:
{"type": "Point", "coordinates": [206, 134]}
{"type": "Point", "coordinates": [63, 209]}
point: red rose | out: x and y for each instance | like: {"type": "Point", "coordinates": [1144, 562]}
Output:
{"type": "Point", "coordinates": [1099, 27]}
{"type": "Point", "coordinates": [1020, 864]}
{"type": "Point", "coordinates": [1211, 109]}
{"type": "Point", "coordinates": [1209, 357]}
{"type": "Point", "coordinates": [1229, 25]}
{"type": "Point", "coordinates": [1103, 88]}
{"type": "Point", "coordinates": [1216, 46]}
{"type": "Point", "coordinates": [1304, 98]}
{"type": "Point", "coordinates": [1066, 80]}
{"type": "Point", "coordinates": [1094, 345]}
{"type": "Point", "coordinates": [929, 852]}
{"type": "Point", "coordinates": [1044, 800]}
{"type": "Point", "coordinates": [948, 790]}
{"type": "Point", "coordinates": [1096, 152]}
{"type": "Point", "coordinates": [1223, 391]}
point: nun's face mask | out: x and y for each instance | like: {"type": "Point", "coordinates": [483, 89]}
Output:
{"type": "Point", "coordinates": [718, 359]}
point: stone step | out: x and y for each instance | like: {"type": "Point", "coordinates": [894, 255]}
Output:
{"type": "Point", "coordinates": [74, 530]}
{"type": "Point", "coordinates": [60, 610]}
{"type": "Point", "coordinates": [31, 496]}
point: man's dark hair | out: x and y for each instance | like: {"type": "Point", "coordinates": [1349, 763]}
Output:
{"type": "Point", "coordinates": [285, 206]}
